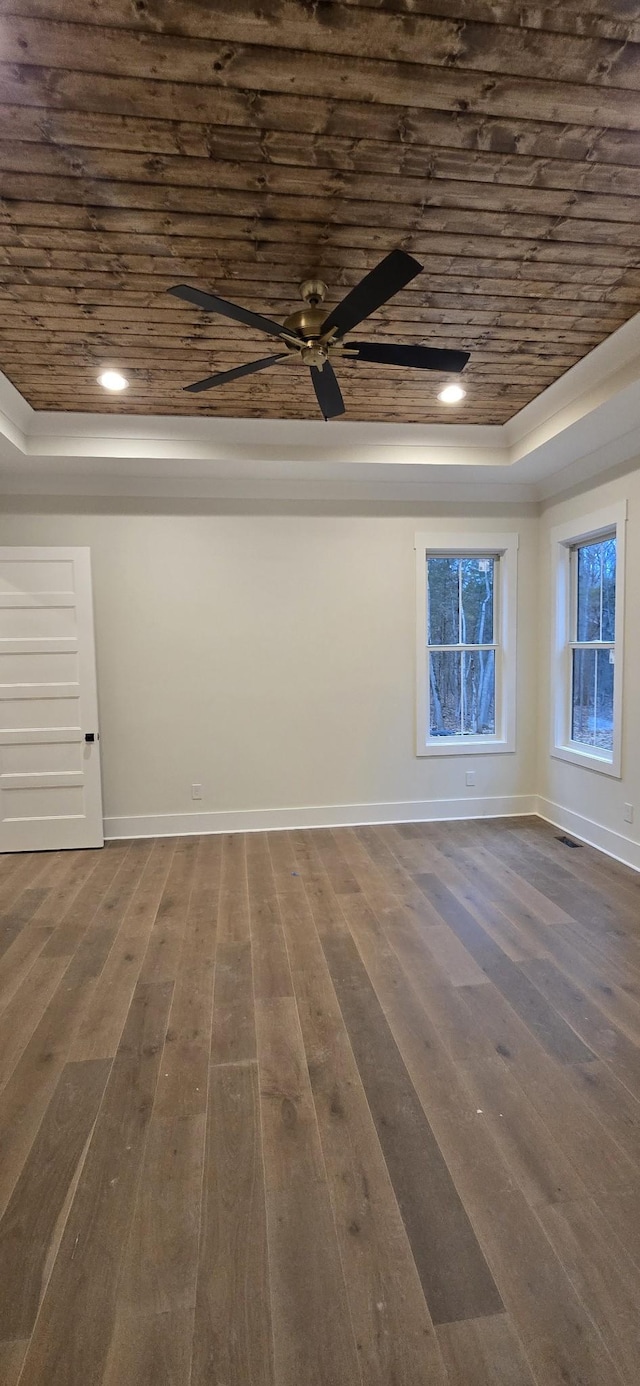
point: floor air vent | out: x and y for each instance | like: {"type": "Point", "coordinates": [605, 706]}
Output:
{"type": "Point", "coordinates": [566, 842]}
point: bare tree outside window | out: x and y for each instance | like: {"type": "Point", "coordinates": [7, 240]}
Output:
{"type": "Point", "coordinates": [593, 643]}
{"type": "Point", "coordinates": [461, 645]}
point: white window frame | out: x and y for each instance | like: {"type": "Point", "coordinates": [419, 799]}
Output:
{"type": "Point", "coordinates": [612, 519]}
{"type": "Point", "coordinates": [455, 545]}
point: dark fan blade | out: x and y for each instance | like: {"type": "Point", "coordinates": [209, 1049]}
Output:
{"type": "Point", "coordinates": [224, 376]}
{"type": "Point", "coordinates": [396, 270]}
{"type": "Point", "coordinates": [422, 358]}
{"type": "Point", "coordinates": [327, 391]}
{"type": "Point", "coordinates": [211, 304]}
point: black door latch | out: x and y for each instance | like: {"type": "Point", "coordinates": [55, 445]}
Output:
{"type": "Point", "coordinates": [91, 736]}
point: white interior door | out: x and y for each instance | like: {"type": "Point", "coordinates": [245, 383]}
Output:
{"type": "Point", "coordinates": [50, 794]}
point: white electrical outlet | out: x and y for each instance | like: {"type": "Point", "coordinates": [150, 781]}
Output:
{"type": "Point", "coordinates": [196, 791]}
{"type": "Point", "coordinates": [628, 813]}
{"type": "Point", "coordinates": [470, 778]}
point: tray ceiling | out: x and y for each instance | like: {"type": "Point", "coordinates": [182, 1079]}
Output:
{"type": "Point", "coordinates": [244, 147]}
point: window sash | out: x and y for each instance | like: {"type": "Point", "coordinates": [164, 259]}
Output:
{"type": "Point", "coordinates": [574, 553]}
{"type": "Point", "coordinates": [573, 644]}
{"type": "Point", "coordinates": [567, 540]}
{"type": "Point", "coordinates": [453, 557]}
{"type": "Point", "coordinates": [501, 549]}
{"type": "Point", "coordinates": [452, 738]}
{"type": "Point", "coordinates": [461, 647]}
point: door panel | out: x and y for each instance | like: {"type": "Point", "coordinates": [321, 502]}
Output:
{"type": "Point", "coordinates": [50, 793]}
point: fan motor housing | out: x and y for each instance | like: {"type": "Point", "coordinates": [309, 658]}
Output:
{"type": "Point", "coordinates": [307, 322]}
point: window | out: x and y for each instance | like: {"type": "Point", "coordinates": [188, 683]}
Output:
{"type": "Point", "coordinates": [587, 641]}
{"type": "Point", "coordinates": [466, 644]}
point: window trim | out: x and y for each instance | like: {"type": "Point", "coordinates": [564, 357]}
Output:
{"type": "Point", "coordinates": [611, 519]}
{"type": "Point", "coordinates": [465, 545]}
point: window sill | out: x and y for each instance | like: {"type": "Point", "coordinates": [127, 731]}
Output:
{"type": "Point", "coordinates": [589, 760]}
{"type": "Point", "coordinates": [467, 746]}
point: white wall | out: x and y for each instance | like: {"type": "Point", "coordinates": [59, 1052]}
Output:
{"type": "Point", "coordinates": [271, 657]}
{"type": "Point", "coordinates": [580, 799]}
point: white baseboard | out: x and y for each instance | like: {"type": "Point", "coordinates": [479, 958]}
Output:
{"type": "Point", "coordinates": [327, 816]}
{"type": "Point", "coordinates": [614, 844]}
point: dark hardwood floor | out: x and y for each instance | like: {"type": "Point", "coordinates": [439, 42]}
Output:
{"type": "Point", "coordinates": [327, 1108]}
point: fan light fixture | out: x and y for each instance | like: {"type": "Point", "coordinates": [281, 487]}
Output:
{"type": "Point", "coordinates": [317, 338]}
{"type": "Point", "coordinates": [452, 394]}
{"type": "Point", "coordinates": [112, 380]}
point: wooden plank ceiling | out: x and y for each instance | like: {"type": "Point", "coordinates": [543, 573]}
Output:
{"type": "Point", "coordinates": [243, 147]}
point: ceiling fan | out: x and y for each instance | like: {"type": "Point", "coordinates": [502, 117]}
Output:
{"type": "Point", "coordinates": [317, 338]}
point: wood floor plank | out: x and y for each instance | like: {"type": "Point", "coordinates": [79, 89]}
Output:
{"type": "Point", "coordinates": [307, 1281]}
{"type": "Point", "coordinates": [617, 994]}
{"type": "Point", "coordinates": [160, 963]}
{"type": "Point", "coordinates": [367, 872]}
{"type": "Point", "coordinates": [14, 920]}
{"type": "Point", "coordinates": [127, 924]}
{"type": "Point", "coordinates": [70, 910]}
{"type": "Point", "coordinates": [153, 1318]}
{"type": "Point", "coordinates": [24, 1100]}
{"type": "Point", "coordinates": [503, 881]}
{"type": "Point", "coordinates": [318, 892]}
{"type": "Point", "coordinates": [604, 1275]}
{"type": "Point", "coordinates": [233, 920]}
{"type": "Point", "coordinates": [455, 1277]}
{"type": "Point", "coordinates": [71, 1339]}
{"type": "Point", "coordinates": [28, 1225]}
{"type": "Point", "coordinates": [271, 972]}
{"type": "Point", "coordinates": [375, 841]}
{"type": "Point", "coordinates": [183, 1078]}
{"type": "Point", "coordinates": [543, 1021]}
{"type": "Point", "coordinates": [530, 1152]}
{"type": "Point", "coordinates": [394, 955]}
{"type": "Point", "coordinates": [559, 1337]}
{"type": "Point", "coordinates": [233, 1037]}
{"type": "Point", "coordinates": [329, 844]}
{"type": "Point", "coordinates": [30, 873]}
{"type": "Point", "coordinates": [20, 958]}
{"type": "Point", "coordinates": [11, 1359]}
{"type": "Point", "coordinates": [621, 1209]}
{"type": "Point", "coordinates": [394, 1332]}
{"type": "Point", "coordinates": [596, 1156]}
{"type": "Point", "coordinates": [597, 1030]}
{"type": "Point", "coordinates": [232, 1338]}
{"type": "Point", "coordinates": [290, 1131]}
{"type": "Point", "coordinates": [611, 1102]}
{"type": "Point", "coordinates": [484, 1352]}
{"type": "Point", "coordinates": [158, 1272]}
{"type": "Point", "coordinates": [618, 888]}
{"type": "Point", "coordinates": [508, 920]}
{"type": "Point", "coordinates": [58, 924]}
{"type": "Point", "coordinates": [234, 1032]}
{"type": "Point", "coordinates": [456, 963]}
{"type": "Point", "coordinates": [150, 1349]}
{"type": "Point", "coordinates": [576, 898]}
{"type": "Point", "coordinates": [23, 1013]}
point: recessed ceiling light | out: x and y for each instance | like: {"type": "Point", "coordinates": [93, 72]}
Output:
{"type": "Point", "coordinates": [452, 394]}
{"type": "Point", "coordinates": [112, 380]}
